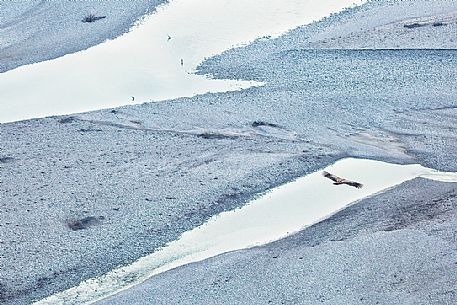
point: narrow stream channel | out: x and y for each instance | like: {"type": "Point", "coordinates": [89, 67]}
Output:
{"type": "Point", "coordinates": [146, 62]}
{"type": "Point", "coordinates": [278, 213]}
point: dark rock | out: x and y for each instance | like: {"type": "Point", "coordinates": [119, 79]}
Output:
{"type": "Point", "coordinates": [438, 24]}
{"type": "Point", "coordinates": [66, 120]}
{"type": "Point", "coordinates": [89, 129]}
{"type": "Point", "coordinates": [92, 18]}
{"type": "Point", "coordinates": [414, 25]}
{"type": "Point", "coordinates": [83, 223]}
{"type": "Point", "coordinates": [262, 123]}
{"type": "Point", "coordinates": [215, 136]}
{"type": "Point", "coordinates": [6, 159]}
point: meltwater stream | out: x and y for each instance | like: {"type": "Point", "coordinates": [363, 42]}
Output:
{"type": "Point", "coordinates": [146, 62]}
{"type": "Point", "coordinates": [280, 212]}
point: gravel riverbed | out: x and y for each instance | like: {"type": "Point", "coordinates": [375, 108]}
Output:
{"type": "Point", "coordinates": [84, 193]}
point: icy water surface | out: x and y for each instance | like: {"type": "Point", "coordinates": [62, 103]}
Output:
{"type": "Point", "coordinates": [155, 60]}
{"type": "Point", "coordinates": [277, 214]}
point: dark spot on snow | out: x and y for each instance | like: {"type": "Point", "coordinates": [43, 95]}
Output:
{"type": "Point", "coordinates": [84, 223]}
{"type": "Point", "coordinates": [438, 24]}
{"type": "Point", "coordinates": [6, 159]}
{"type": "Point", "coordinates": [89, 129]}
{"type": "Point", "coordinates": [414, 25]}
{"type": "Point", "coordinates": [262, 123]}
{"type": "Point", "coordinates": [3, 292]}
{"type": "Point", "coordinates": [92, 18]}
{"type": "Point", "coordinates": [66, 120]}
{"type": "Point", "coordinates": [215, 136]}
{"type": "Point", "coordinates": [227, 199]}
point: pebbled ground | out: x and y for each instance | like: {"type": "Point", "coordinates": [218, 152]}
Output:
{"type": "Point", "coordinates": [31, 30]}
{"type": "Point", "coordinates": [398, 247]}
{"type": "Point", "coordinates": [120, 183]}
{"type": "Point", "coordinates": [85, 193]}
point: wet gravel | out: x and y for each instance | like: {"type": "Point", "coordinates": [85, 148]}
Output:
{"type": "Point", "coordinates": [85, 193]}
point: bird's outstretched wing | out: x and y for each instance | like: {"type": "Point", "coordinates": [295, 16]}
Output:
{"type": "Point", "coordinates": [353, 183]}
{"type": "Point", "coordinates": [330, 176]}
{"type": "Point", "coordinates": [338, 180]}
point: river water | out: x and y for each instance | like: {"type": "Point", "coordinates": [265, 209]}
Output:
{"type": "Point", "coordinates": [278, 213]}
{"type": "Point", "coordinates": [145, 64]}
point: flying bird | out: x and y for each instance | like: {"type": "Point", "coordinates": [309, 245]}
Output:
{"type": "Point", "coordinates": [168, 37]}
{"type": "Point", "coordinates": [338, 180]}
